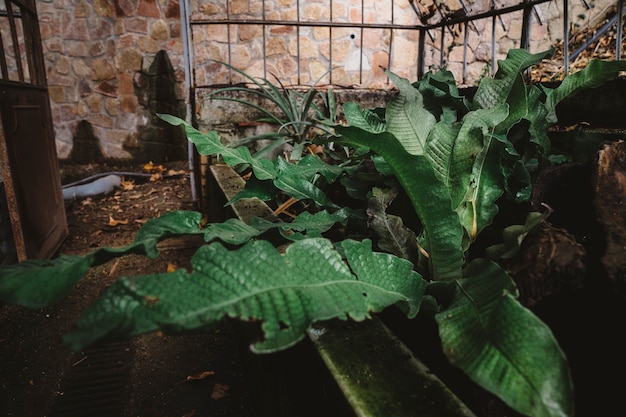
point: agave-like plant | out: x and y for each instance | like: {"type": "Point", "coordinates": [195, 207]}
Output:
{"type": "Point", "coordinates": [297, 114]}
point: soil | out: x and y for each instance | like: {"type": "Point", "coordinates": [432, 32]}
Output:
{"type": "Point", "coordinates": [152, 375]}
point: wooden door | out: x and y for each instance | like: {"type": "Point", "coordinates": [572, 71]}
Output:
{"type": "Point", "coordinates": [28, 158]}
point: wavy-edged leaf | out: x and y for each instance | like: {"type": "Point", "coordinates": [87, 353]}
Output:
{"type": "Point", "coordinates": [493, 92]}
{"type": "Point", "coordinates": [407, 118]}
{"type": "Point", "coordinates": [513, 236]}
{"type": "Point", "coordinates": [264, 190]}
{"type": "Point", "coordinates": [39, 283]}
{"type": "Point", "coordinates": [209, 144]}
{"type": "Point", "coordinates": [503, 346]}
{"type": "Point", "coordinates": [441, 96]}
{"type": "Point", "coordinates": [299, 184]}
{"type": "Point", "coordinates": [288, 292]}
{"type": "Point", "coordinates": [429, 196]}
{"type": "Point", "coordinates": [393, 236]}
{"type": "Point", "coordinates": [595, 73]}
{"type": "Point", "coordinates": [366, 119]}
{"type": "Point", "coordinates": [453, 151]}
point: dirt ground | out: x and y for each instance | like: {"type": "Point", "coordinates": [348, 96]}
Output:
{"type": "Point", "coordinates": [152, 375]}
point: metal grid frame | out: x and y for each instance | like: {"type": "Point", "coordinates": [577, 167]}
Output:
{"type": "Point", "coordinates": [429, 34]}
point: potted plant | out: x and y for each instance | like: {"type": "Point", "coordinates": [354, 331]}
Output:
{"type": "Point", "coordinates": [353, 252]}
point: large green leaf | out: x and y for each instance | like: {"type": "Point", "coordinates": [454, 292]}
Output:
{"type": "Point", "coordinates": [495, 91]}
{"type": "Point", "coordinates": [429, 196]}
{"type": "Point", "coordinates": [39, 283]}
{"type": "Point", "coordinates": [209, 144]}
{"type": "Point", "coordinates": [366, 119]}
{"type": "Point", "coordinates": [393, 236]}
{"type": "Point", "coordinates": [503, 346]}
{"type": "Point", "coordinates": [596, 73]}
{"type": "Point", "coordinates": [407, 118]}
{"type": "Point", "coordinates": [287, 292]}
{"type": "Point", "coordinates": [441, 96]}
{"type": "Point", "coordinates": [468, 161]}
{"type": "Point", "coordinates": [299, 184]}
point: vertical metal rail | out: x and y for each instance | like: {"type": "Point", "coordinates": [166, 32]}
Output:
{"type": "Point", "coordinates": [298, 40]}
{"type": "Point", "coordinates": [390, 39]}
{"type": "Point", "coordinates": [230, 52]}
{"type": "Point", "coordinates": [361, 42]}
{"type": "Point", "coordinates": [493, 41]}
{"type": "Point", "coordinates": [3, 60]}
{"type": "Point", "coordinates": [189, 73]}
{"type": "Point", "coordinates": [16, 42]}
{"type": "Point", "coordinates": [527, 15]}
{"type": "Point", "coordinates": [421, 52]}
{"type": "Point", "coordinates": [35, 73]}
{"type": "Point", "coordinates": [330, 46]}
{"type": "Point", "coordinates": [566, 37]}
{"type": "Point", "coordinates": [442, 46]}
{"type": "Point", "coordinates": [464, 72]}
{"type": "Point", "coordinates": [618, 36]}
{"type": "Point", "coordinates": [264, 27]}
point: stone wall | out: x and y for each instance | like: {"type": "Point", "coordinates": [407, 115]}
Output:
{"type": "Point", "coordinates": [101, 57]}
{"type": "Point", "coordinates": [96, 54]}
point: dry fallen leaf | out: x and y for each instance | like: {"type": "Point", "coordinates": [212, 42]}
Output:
{"type": "Point", "coordinates": [113, 222]}
{"type": "Point", "coordinates": [87, 202]}
{"type": "Point", "coordinates": [127, 185]}
{"type": "Point", "coordinates": [171, 267]}
{"type": "Point", "coordinates": [156, 176]}
{"type": "Point", "coordinates": [174, 172]}
{"type": "Point", "coordinates": [201, 375]}
{"type": "Point", "coordinates": [150, 167]}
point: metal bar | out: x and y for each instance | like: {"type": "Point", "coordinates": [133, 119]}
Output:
{"type": "Point", "coordinates": [594, 38]}
{"type": "Point", "coordinates": [187, 61]}
{"type": "Point", "coordinates": [538, 15]}
{"type": "Point", "coordinates": [16, 41]}
{"type": "Point", "coordinates": [419, 16]}
{"type": "Point", "coordinates": [442, 46]}
{"type": "Point", "coordinates": [493, 43]}
{"type": "Point", "coordinates": [34, 55]}
{"type": "Point", "coordinates": [330, 47]}
{"type": "Point", "coordinates": [566, 37]}
{"type": "Point", "coordinates": [307, 23]}
{"type": "Point", "coordinates": [361, 40]}
{"type": "Point", "coordinates": [421, 65]}
{"type": "Point", "coordinates": [298, 40]}
{"type": "Point", "coordinates": [230, 56]}
{"type": "Point", "coordinates": [465, 30]}
{"type": "Point", "coordinates": [3, 60]}
{"type": "Point", "coordinates": [526, 21]}
{"type": "Point", "coordinates": [264, 27]}
{"type": "Point", "coordinates": [391, 39]}
{"type": "Point", "coordinates": [444, 18]}
{"type": "Point", "coordinates": [618, 35]}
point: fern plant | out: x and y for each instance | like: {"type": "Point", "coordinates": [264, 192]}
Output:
{"type": "Point", "coordinates": [454, 158]}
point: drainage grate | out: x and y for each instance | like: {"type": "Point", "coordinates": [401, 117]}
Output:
{"type": "Point", "coordinates": [97, 384]}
